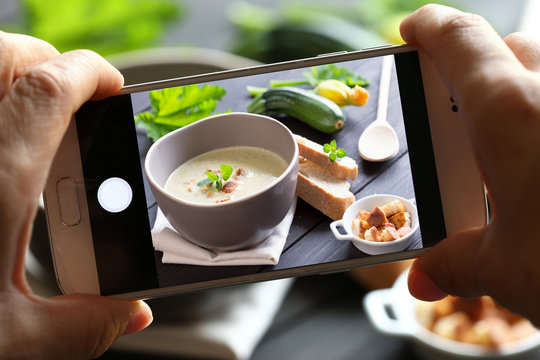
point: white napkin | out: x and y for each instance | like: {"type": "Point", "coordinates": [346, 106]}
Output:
{"type": "Point", "coordinates": [177, 250]}
{"type": "Point", "coordinates": [233, 321]}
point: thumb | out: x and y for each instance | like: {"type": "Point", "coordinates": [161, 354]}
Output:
{"type": "Point", "coordinates": [449, 268]}
{"type": "Point", "coordinates": [84, 326]}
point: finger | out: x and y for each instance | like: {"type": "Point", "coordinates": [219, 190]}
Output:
{"type": "Point", "coordinates": [494, 91]}
{"type": "Point", "coordinates": [526, 48]}
{"type": "Point", "coordinates": [450, 267]}
{"type": "Point", "coordinates": [17, 53]}
{"type": "Point", "coordinates": [80, 326]}
{"type": "Point", "coordinates": [39, 106]}
{"type": "Point", "coordinates": [467, 51]}
{"type": "Point", "coordinates": [33, 117]}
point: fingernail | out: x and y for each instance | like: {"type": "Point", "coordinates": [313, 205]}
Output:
{"type": "Point", "coordinates": [139, 319]}
{"type": "Point", "coordinates": [423, 287]}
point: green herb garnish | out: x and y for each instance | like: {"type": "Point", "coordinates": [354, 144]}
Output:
{"type": "Point", "coordinates": [333, 151]}
{"type": "Point", "coordinates": [173, 108]}
{"type": "Point", "coordinates": [226, 172]}
{"type": "Point", "coordinates": [324, 72]}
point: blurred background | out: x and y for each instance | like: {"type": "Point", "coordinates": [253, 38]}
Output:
{"type": "Point", "coordinates": [316, 317]}
{"type": "Point", "coordinates": [264, 30]}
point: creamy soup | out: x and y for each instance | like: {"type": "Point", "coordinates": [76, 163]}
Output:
{"type": "Point", "coordinates": [253, 169]}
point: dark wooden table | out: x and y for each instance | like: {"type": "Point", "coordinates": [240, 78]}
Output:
{"type": "Point", "coordinates": [309, 241]}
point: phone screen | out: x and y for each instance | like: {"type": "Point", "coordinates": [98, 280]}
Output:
{"type": "Point", "coordinates": [123, 210]}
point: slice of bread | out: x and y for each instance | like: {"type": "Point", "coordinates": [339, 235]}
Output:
{"type": "Point", "coordinates": [342, 168]}
{"type": "Point", "coordinates": [319, 188]}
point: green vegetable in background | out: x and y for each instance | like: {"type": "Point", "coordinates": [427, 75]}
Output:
{"type": "Point", "coordinates": [293, 32]}
{"type": "Point", "coordinates": [300, 29]}
{"type": "Point", "coordinates": [373, 11]}
{"type": "Point", "coordinates": [384, 16]}
{"type": "Point", "coordinates": [333, 151]}
{"type": "Point", "coordinates": [312, 109]}
{"type": "Point", "coordinates": [354, 84]}
{"type": "Point", "coordinates": [104, 26]}
{"type": "Point", "coordinates": [173, 108]}
{"type": "Point", "coordinates": [325, 72]}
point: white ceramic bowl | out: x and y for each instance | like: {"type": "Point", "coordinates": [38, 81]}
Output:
{"type": "Point", "coordinates": [237, 223]}
{"type": "Point", "coordinates": [368, 203]}
{"type": "Point", "coordinates": [393, 312]}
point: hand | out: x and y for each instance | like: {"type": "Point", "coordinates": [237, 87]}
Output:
{"type": "Point", "coordinates": [496, 84]}
{"type": "Point", "coordinates": [39, 91]}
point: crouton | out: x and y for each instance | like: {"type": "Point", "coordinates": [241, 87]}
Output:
{"type": "Point", "coordinates": [401, 219]}
{"type": "Point", "coordinates": [393, 208]}
{"type": "Point", "coordinates": [389, 234]}
{"type": "Point", "coordinates": [372, 234]}
{"type": "Point", "coordinates": [376, 217]}
{"type": "Point", "coordinates": [359, 227]}
{"type": "Point", "coordinates": [363, 214]}
{"type": "Point", "coordinates": [404, 230]}
{"type": "Point", "coordinates": [385, 225]}
{"type": "Point", "coordinates": [453, 326]}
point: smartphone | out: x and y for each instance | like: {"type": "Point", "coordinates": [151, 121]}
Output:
{"type": "Point", "coordinates": [101, 212]}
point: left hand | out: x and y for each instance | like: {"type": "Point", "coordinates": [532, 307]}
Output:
{"type": "Point", "coordinates": [40, 90]}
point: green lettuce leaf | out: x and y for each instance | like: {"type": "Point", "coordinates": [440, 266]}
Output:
{"type": "Point", "coordinates": [331, 71]}
{"type": "Point", "coordinates": [324, 72]}
{"type": "Point", "coordinates": [173, 108]}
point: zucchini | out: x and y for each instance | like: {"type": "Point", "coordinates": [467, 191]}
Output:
{"type": "Point", "coordinates": [304, 105]}
{"type": "Point", "coordinates": [298, 30]}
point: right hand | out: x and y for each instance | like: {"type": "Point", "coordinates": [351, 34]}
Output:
{"type": "Point", "coordinates": [496, 85]}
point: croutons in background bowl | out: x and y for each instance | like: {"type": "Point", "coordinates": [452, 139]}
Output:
{"type": "Point", "coordinates": [396, 312]}
{"type": "Point", "coordinates": [369, 203]}
{"type": "Point", "coordinates": [235, 224]}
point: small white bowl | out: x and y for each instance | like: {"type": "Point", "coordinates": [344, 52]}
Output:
{"type": "Point", "coordinates": [393, 312]}
{"type": "Point", "coordinates": [368, 203]}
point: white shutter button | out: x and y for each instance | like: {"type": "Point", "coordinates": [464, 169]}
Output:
{"type": "Point", "coordinates": [114, 195]}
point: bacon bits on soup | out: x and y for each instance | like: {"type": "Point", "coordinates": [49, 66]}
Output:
{"type": "Point", "coordinates": [253, 169]}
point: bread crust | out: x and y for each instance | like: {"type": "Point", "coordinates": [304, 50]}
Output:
{"type": "Point", "coordinates": [321, 199]}
{"type": "Point", "coordinates": [345, 168]}
{"type": "Point", "coordinates": [322, 183]}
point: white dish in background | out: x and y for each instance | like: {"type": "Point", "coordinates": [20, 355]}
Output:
{"type": "Point", "coordinates": [368, 203]}
{"type": "Point", "coordinates": [393, 312]}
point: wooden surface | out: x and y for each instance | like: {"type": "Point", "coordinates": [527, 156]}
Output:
{"type": "Point", "coordinates": [309, 241]}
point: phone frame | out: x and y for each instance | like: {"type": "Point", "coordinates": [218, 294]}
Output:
{"type": "Point", "coordinates": [76, 271]}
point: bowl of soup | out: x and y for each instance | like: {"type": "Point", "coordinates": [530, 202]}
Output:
{"type": "Point", "coordinates": [225, 182]}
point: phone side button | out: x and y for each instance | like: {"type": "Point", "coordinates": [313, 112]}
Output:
{"type": "Point", "coordinates": [68, 201]}
{"type": "Point", "coordinates": [378, 47]}
{"type": "Point", "coordinates": [333, 53]}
